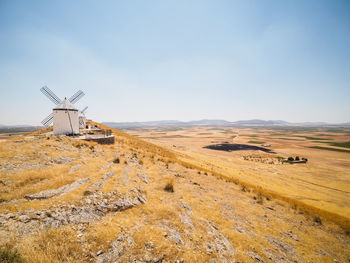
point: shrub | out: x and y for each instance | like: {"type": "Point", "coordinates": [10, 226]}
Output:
{"type": "Point", "coordinates": [259, 199]}
{"type": "Point", "coordinates": [291, 159]}
{"type": "Point", "coordinates": [9, 255]}
{"type": "Point", "coordinates": [297, 158]}
{"type": "Point", "coordinates": [317, 220]}
{"type": "Point", "coordinates": [116, 160]}
{"type": "Point", "coordinates": [305, 159]}
{"type": "Point", "coordinates": [169, 187]}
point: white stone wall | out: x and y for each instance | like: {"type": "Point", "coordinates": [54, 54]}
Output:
{"type": "Point", "coordinates": [61, 123]}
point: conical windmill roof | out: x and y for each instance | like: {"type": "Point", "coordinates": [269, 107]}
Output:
{"type": "Point", "coordinates": [65, 105]}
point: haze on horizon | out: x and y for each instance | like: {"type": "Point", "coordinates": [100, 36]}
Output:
{"type": "Point", "coordinates": [181, 60]}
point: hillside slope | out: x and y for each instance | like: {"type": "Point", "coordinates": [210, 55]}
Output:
{"type": "Point", "coordinates": [64, 200]}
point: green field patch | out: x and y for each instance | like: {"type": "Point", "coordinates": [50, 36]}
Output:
{"type": "Point", "coordinates": [216, 129]}
{"type": "Point", "coordinates": [171, 129]}
{"type": "Point", "coordinates": [322, 142]}
{"type": "Point", "coordinates": [256, 142]}
{"type": "Point", "coordinates": [311, 138]}
{"type": "Point", "coordinates": [175, 136]}
{"type": "Point", "coordinates": [338, 130]}
{"type": "Point", "coordinates": [341, 144]}
{"type": "Point", "coordinates": [288, 139]}
{"type": "Point", "coordinates": [279, 134]}
{"type": "Point", "coordinates": [204, 133]}
{"type": "Point", "coordinates": [233, 136]}
{"type": "Point", "coordinates": [325, 134]}
{"type": "Point", "coordinates": [330, 149]}
{"type": "Point", "coordinates": [227, 132]}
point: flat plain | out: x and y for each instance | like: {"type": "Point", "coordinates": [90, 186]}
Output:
{"type": "Point", "coordinates": [323, 182]}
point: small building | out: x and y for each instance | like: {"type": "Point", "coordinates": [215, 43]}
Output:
{"type": "Point", "coordinates": [82, 122]}
{"type": "Point", "coordinates": [65, 119]}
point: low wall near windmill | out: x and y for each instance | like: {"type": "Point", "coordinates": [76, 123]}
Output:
{"type": "Point", "coordinates": [101, 139]}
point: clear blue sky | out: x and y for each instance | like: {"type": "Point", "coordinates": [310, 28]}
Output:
{"type": "Point", "coordinates": [184, 60]}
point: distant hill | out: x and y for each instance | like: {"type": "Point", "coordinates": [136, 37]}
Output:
{"type": "Point", "coordinates": [205, 122]}
{"type": "Point", "coordinates": [143, 124]}
{"type": "Point", "coordinates": [18, 128]}
{"type": "Point", "coordinates": [261, 122]}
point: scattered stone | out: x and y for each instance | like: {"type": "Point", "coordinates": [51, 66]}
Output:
{"type": "Point", "coordinates": [108, 165]}
{"type": "Point", "coordinates": [284, 250]}
{"type": "Point", "coordinates": [75, 168]}
{"type": "Point", "coordinates": [62, 190]}
{"type": "Point", "coordinates": [219, 244]}
{"type": "Point", "coordinates": [172, 234]}
{"type": "Point", "coordinates": [186, 220]}
{"type": "Point", "coordinates": [185, 206]}
{"type": "Point", "coordinates": [149, 245]}
{"type": "Point", "coordinates": [24, 218]}
{"type": "Point", "coordinates": [255, 256]}
{"type": "Point", "coordinates": [107, 175]}
{"type": "Point", "coordinates": [291, 235]}
{"type": "Point", "coordinates": [63, 160]}
{"type": "Point", "coordinates": [5, 182]}
{"type": "Point", "coordinates": [143, 177]}
{"type": "Point", "coordinates": [118, 248]}
{"type": "Point", "coordinates": [97, 205]}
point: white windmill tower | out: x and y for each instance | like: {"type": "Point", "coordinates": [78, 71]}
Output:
{"type": "Point", "coordinates": [82, 118]}
{"type": "Point", "coordinates": [65, 116]}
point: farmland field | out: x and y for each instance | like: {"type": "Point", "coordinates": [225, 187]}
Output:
{"type": "Point", "coordinates": [323, 182]}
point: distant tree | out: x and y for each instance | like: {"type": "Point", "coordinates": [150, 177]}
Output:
{"type": "Point", "coordinates": [291, 159]}
{"type": "Point", "coordinates": [297, 158]}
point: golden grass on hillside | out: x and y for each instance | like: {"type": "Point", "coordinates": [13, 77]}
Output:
{"type": "Point", "coordinates": [51, 246]}
{"type": "Point", "coordinates": [150, 149]}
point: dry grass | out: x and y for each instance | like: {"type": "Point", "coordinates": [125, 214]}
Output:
{"type": "Point", "coordinates": [216, 198]}
{"type": "Point", "coordinates": [54, 245]}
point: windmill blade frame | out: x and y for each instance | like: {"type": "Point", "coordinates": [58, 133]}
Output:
{"type": "Point", "coordinates": [48, 120]}
{"type": "Point", "coordinates": [83, 111]}
{"type": "Point", "coordinates": [52, 96]}
{"type": "Point", "coordinates": [77, 96]}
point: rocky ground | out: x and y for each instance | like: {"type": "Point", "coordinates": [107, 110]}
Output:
{"type": "Point", "coordinates": [82, 202]}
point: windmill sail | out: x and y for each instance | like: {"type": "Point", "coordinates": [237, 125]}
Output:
{"type": "Point", "coordinates": [52, 96]}
{"type": "Point", "coordinates": [83, 111]}
{"type": "Point", "coordinates": [48, 120]}
{"type": "Point", "coordinates": [77, 96]}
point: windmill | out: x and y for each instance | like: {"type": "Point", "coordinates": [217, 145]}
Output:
{"type": "Point", "coordinates": [82, 118]}
{"type": "Point", "coordinates": [64, 116]}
